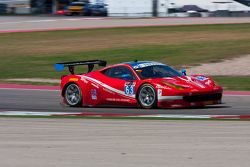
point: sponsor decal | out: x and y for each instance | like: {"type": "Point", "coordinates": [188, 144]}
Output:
{"type": "Point", "coordinates": [189, 79]}
{"type": "Point", "coordinates": [118, 100]}
{"type": "Point", "coordinates": [146, 65]}
{"type": "Point", "coordinates": [159, 92]}
{"type": "Point", "coordinates": [93, 94]}
{"type": "Point", "coordinates": [129, 88]}
{"type": "Point", "coordinates": [73, 79]}
{"type": "Point", "coordinates": [208, 82]}
{"type": "Point", "coordinates": [201, 78]}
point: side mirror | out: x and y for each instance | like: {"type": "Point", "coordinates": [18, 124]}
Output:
{"type": "Point", "coordinates": [184, 72]}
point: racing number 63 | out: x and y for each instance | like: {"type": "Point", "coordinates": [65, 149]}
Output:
{"type": "Point", "coordinates": [129, 89]}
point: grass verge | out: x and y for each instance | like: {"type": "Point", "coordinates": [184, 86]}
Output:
{"type": "Point", "coordinates": [236, 83]}
{"type": "Point", "coordinates": [29, 55]}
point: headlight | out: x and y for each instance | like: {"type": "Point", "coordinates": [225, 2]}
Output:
{"type": "Point", "coordinates": [178, 87]}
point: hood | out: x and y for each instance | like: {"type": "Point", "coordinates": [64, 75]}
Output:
{"type": "Point", "coordinates": [187, 82]}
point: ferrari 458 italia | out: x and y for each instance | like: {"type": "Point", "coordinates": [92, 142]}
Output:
{"type": "Point", "coordinates": [145, 84]}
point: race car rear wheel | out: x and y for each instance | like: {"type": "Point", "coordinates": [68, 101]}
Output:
{"type": "Point", "coordinates": [147, 96]}
{"type": "Point", "coordinates": [73, 95]}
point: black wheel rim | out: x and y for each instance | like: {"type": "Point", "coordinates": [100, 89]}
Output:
{"type": "Point", "coordinates": [147, 96]}
{"type": "Point", "coordinates": [73, 94]}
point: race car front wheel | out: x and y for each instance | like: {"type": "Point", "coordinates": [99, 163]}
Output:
{"type": "Point", "coordinates": [73, 95]}
{"type": "Point", "coordinates": [147, 96]}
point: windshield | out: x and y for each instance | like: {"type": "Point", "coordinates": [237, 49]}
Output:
{"type": "Point", "coordinates": [157, 71]}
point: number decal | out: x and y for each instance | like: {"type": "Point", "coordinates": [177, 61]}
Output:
{"type": "Point", "coordinates": [93, 94]}
{"type": "Point", "coordinates": [129, 88]}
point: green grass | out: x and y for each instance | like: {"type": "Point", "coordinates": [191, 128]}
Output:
{"type": "Point", "coordinates": [175, 55]}
{"type": "Point", "coordinates": [28, 55]}
{"type": "Point", "coordinates": [233, 83]}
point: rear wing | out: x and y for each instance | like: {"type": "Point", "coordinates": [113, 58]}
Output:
{"type": "Point", "coordinates": [71, 65]}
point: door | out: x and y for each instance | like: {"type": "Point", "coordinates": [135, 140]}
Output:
{"type": "Point", "coordinates": [120, 86]}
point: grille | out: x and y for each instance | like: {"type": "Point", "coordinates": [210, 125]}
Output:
{"type": "Point", "coordinates": [207, 97]}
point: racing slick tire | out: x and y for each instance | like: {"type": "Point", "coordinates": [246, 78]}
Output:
{"type": "Point", "coordinates": [73, 95]}
{"type": "Point", "coordinates": [147, 97]}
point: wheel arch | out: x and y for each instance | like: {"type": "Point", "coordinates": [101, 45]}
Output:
{"type": "Point", "coordinates": [65, 86]}
{"type": "Point", "coordinates": [137, 92]}
{"type": "Point", "coordinates": [156, 92]}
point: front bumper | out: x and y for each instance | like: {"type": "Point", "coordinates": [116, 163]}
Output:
{"type": "Point", "coordinates": [192, 100]}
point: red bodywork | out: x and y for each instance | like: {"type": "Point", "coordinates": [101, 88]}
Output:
{"type": "Point", "coordinates": [172, 92]}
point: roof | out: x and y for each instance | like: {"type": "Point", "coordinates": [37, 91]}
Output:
{"type": "Point", "coordinates": [141, 64]}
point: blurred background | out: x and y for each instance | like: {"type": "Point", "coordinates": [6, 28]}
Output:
{"type": "Point", "coordinates": [210, 37]}
{"type": "Point", "coordinates": [133, 8]}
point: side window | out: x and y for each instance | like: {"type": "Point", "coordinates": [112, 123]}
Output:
{"type": "Point", "coordinates": [121, 72]}
{"type": "Point", "coordinates": [107, 72]}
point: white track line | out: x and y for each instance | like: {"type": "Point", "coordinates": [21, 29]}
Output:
{"type": "Point", "coordinates": [33, 113]}
{"type": "Point", "coordinates": [29, 89]}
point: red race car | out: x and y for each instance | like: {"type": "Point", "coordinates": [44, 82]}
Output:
{"type": "Point", "coordinates": [145, 84]}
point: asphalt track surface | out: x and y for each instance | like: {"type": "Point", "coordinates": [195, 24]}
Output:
{"type": "Point", "coordinates": [45, 23]}
{"type": "Point", "coordinates": [50, 101]}
{"type": "Point", "coordinates": [26, 142]}
{"type": "Point", "coordinates": [110, 143]}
